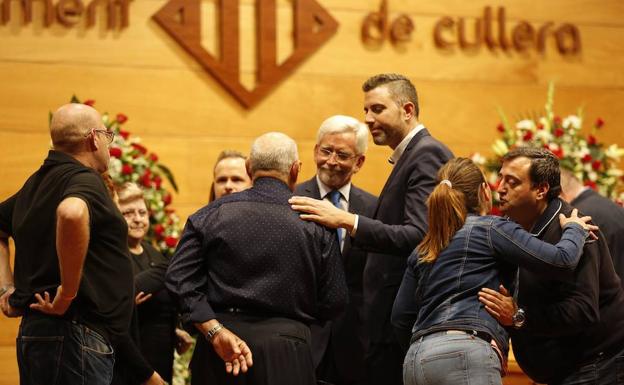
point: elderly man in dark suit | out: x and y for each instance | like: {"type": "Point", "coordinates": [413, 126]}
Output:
{"type": "Point", "coordinates": [339, 153]}
{"type": "Point", "coordinates": [252, 276]}
{"type": "Point", "coordinates": [604, 212]}
{"type": "Point", "coordinates": [399, 222]}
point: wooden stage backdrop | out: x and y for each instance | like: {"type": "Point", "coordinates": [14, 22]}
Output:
{"type": "Point", "coordinates": [187, 118]}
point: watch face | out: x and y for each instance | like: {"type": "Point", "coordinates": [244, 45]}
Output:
{"type": "Point", "coordinates": [518, 318]}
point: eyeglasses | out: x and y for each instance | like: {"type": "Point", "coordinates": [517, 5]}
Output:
{"type": "Point", "coordinates": [110, 135]}
{"type": "Point", "coordinates": [132, 213]}
{"type": "Point", "coordinates": [340, 156]}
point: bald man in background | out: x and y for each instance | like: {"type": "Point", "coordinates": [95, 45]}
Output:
{"type": "Point", "coordinates": [604, 212]}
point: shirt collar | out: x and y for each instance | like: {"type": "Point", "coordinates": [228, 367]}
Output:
{"type": "Point", "coordinates": [550, 214]}
{"type": "Point", "coordinates": [324, 189]}
{"type": "Point", "coordinates": [400, 149]}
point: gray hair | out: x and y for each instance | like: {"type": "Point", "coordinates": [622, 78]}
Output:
{"type": "Point", "coordinates": [339, 124]}
{"type": "Point", "coordinates": [273, 151]}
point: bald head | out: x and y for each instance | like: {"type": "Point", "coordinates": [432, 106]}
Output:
{"type": "Point", "coordinates": [274, 152]}
{"type": "Point", "coordinates": [70, 125]}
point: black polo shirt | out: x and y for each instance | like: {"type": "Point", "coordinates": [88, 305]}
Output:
{"type": "Point", "coordinates": [105, 296]}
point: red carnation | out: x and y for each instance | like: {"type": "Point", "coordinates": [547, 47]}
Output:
{"type": "Point", "coordinates": [540, 126]}
{"type": "Point", "coordinates": [115, 152]}
{"type": "Point", "coordinates": [500, 127]}
{"type": "Point", "coordinates": [590, 184]}
{"type": "Point", "coordinates": [591, 140]}
{"type": "Point", "coordinates": [558, 132]}
{"type": "Point", "coordinates": [558, 152]}
{"type": "Point", "coordinates": [171, 241]}
{"type": "Point", "coordinates": [121, 118]}
{"type": "Point", "coordinates": [587, 158]}
{"type": "Point", "coordinates": [145, 180]}
{"type": "Point", "coordinates": [495, 211]}
{"type": "Point", "coordinates": [140, 148]}
{"type": "Point", "coordinates": [527, 136]}
{"type": "Point", "coordinates": [124, 134]}
{"type": "Point", "coordinates": [159, 230]}
{"type": "Point", "coordinates": [599, 123]}
{"type": "Point", "coordinates": [596, 165]}
{"type": "Point", "coordinates": [127, 169]}
{"type": "Point", "coordinates": [557, 120]}
{"type": "Point", "coordinates": [167, 199]}
{"type": "Point", "coordinates": [89, 102]}
{"type": "Point", "coordinates": [153, 157]}
{"type": "Point", "coordinates": [157, 181]}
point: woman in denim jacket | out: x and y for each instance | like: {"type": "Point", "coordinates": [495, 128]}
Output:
{"type": "Point", "coordinates": [453, 337]}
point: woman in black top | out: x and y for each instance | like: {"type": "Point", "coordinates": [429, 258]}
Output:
{"type": "Point", "coordinates": [155, 311]}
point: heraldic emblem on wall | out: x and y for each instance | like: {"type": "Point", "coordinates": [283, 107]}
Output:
{"type": "Point", "coordinates": [312, 26]}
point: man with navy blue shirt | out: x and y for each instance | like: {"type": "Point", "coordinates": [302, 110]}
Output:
{"type": "Point", "coordinates": [251, 276]}
{"type": "Point", "coordinates": [399, 222]}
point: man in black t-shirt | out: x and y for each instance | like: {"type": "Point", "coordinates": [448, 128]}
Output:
{"type": "Point", "coordinates": [73, 281]}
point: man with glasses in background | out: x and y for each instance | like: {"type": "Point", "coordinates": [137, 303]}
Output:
{"type": "Point", "coordinates": [72, 283]}
{"type": "Point", "coordinates": [339, 153]}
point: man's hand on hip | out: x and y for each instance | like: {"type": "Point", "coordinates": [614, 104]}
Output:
{"type": "Point", "coordinates": [58, 306]}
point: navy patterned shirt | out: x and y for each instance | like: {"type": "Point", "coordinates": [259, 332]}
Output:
{"type": "Point", "coordinates": [251, 251]}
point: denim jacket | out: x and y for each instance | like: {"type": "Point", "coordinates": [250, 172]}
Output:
{"type": "Point", "coordinates": [485, 252]}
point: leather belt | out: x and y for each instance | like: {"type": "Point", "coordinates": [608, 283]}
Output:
{"type": "Point", "coordinates": [479, 334]}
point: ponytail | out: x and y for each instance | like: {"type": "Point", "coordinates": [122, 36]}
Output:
{"type": "Point", "coordinates": [450, 202]}
{"type": "Point", "coordinates": [446, 215]}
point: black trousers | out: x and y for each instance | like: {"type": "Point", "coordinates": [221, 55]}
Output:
{"type": "Point", "coordinates": [280, 349]}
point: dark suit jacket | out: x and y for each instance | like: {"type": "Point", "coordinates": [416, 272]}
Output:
{"type": "Point", "coordinates": [610, 218]}
{"type": "Point", "coordinates": [347, 346]}
{"type": "Point", "coordinates": [396, 228]}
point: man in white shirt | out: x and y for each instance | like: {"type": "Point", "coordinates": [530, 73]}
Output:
{"type": "Point", "coordinates": [339, 153]}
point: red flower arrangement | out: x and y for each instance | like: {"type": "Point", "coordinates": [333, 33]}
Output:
{"type": "Point", "coordinates": [131, 161]}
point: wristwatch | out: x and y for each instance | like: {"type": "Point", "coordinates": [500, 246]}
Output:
{"type": "Point", "coordinates": [518, 319]}
{"type": "Point", "coordinates": [213, 332]}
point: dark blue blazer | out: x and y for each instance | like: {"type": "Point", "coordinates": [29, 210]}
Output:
{"type": "Point", "coordinates": [396, 228]}
{"type": "Point", "coordinates": [346, 333]}
{"type": "Point", "coordinates": [610, 218]}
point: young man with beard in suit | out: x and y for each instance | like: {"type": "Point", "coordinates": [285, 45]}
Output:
{"type": "Point", "coordinates": [399, 222]}
{"type": "Point", "coordinates": [339, 153]}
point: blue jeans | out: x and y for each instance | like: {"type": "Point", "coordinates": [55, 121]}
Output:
{"type": "Point", "coordinates": [601, 371]}
{"type": "Point", "coordinates": [453, 359]}
{"type": "Point", "coordinates": [56, 351]}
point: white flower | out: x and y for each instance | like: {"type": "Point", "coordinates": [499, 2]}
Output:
{"type": "Point", "coordinates": [614, 152]}
{"type": "Point", "coordinates": [114, 166]}
{"type": "Point", "coordinates": [615, 172]}
{"type": "Point", "coordinates": [526, 124]}
{"type": "Point", "coordinates": [544, 136]}
{"type": "Point", "coordinates": [592, 175]}
{"type": "Point", "coordinates": [572, 121]}
{"type": "Point", "coordinates": [478, 159]}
